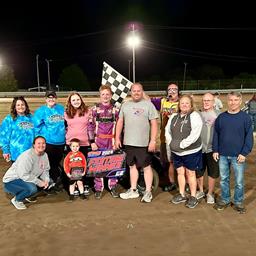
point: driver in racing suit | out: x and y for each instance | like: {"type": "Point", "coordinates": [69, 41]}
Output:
{"type": "Point", "coordinates": [101, 132]}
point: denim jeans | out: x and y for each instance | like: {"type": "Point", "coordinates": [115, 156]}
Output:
{"type": "Point", "coordinates": [253, 118]}
{"type": "Point", "coordinates": [20, 189]}
{"type": "Point", "coordinates": [225, 163]}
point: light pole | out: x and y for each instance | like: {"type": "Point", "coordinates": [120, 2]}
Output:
{"type": "Point", "coordinates": [37, 73]}
{"type": "Point", "coordinates": [129, 69]}
{"type": "Point", "coordinates": [133, 55]}
{"type": "Point", "coordinates": [133, 41]}
{"type": "Point", "coordinates": [184, 76]}
{"type": "Point", "coordinates": [48, 71]}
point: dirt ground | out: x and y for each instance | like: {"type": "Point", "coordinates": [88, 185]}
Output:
{"type": "Point", "coordinates": [54, 226]}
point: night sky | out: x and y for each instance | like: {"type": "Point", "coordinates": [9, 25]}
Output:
{"type": "Point", "coordinates": [90, 32]}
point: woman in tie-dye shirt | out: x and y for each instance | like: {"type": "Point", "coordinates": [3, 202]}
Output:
{"type": "Point", "coordinates": [17, 130]}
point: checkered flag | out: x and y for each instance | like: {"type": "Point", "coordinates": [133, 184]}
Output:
{"type": "Point", "coordinates": [120, 86]}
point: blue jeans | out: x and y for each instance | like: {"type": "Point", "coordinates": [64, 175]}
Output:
{"type": "Point", "coordinates": [20, 189]}
{"type": "Point", "coordinates": [225, 163]}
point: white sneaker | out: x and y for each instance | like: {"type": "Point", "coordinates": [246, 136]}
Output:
{"type": "Point", "coordinates": [18, 205]}
{"type": "Point", "coordinates": [147, 197]}
{"type": "Point", "coordinates": [86, 190]}
{"type": "Point", "coordinates": [130, 194]}
{"type": "Point", "coordinates": [76, 193]}
{"type": "Point", "coordinates": [210, 199]}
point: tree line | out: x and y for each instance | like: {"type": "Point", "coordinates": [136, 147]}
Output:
{"type": "Point", "coordinates": [204, 77]}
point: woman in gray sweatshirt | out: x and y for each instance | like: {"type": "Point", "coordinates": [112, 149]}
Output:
{"type": "Point", "coordinates": [29, 171]}
{"type": "Point", "coordinates": [182, 134]}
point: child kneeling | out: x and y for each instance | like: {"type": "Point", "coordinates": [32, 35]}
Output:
{"type": "Point", "coordinates": [75, 168]}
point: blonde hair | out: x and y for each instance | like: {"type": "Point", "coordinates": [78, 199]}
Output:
{"type": "Point", "coordinates": [191, 103]}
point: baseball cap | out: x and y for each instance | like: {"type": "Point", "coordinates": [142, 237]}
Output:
{"type": "Point", "coordinates": [51, 93]}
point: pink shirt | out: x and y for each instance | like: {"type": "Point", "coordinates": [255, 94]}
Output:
{"type": "Point", "coordinates": [77, 128]}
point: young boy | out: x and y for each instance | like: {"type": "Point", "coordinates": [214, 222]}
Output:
{"type": "Point", "coordinates": [101, 130]}
{"type": "Point", "coordinates": [75, 167]}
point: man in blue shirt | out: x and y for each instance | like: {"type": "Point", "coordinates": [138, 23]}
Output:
{"type": "Point", "coordinates": [232, 142]}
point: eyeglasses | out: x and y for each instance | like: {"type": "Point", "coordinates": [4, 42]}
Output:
{"type": "Point", "coordinates": [172, 89]}
{"type": "Point", "coordinates": [51, 98]}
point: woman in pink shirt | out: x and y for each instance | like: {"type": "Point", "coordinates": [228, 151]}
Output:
{"type": "Point", "coordinates": [76, 120]}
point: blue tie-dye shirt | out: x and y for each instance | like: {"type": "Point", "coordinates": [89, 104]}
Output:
{"type": "Point", "coordinates": [49, 123]}
{"type": "Point", "coordinates": [16, 135]}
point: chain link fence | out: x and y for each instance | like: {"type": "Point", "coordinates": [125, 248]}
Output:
{"type": "Point", "coordinates": [201, 84]}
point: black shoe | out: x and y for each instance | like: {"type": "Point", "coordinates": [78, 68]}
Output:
{"type": "Point", "coordinates": [51, 191]}
{"type": "Point", "coordinates": [179, 198]}
{"type": "Point", "coordinates": [239, 208]}
{"type": "Point", "coordinates": [114, 192]}
{"type": "Point", "coordinates": [58, 188]}
{"type": "Point", "coordinates": [220, 206]}
{"type": "Point", "coordinates": [98, 195]}
{"type": "Point", "coordinates": [192, 202]}
{"type": "Point", "coordinates": [83, 197]}
{"type": "Point", "coordinates": [71, 198]}
{"type": "Point", "coordinates": [170, 187]}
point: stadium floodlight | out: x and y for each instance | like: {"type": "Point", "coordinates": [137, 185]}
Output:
{"type": "Point", "coordinates": [133, 41]}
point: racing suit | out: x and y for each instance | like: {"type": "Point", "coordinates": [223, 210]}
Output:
{"type": "Point", "coordinates": [101, 130]}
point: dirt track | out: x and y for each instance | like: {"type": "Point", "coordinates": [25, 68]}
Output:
{"type": "Point", "coordinates": [54, 226]}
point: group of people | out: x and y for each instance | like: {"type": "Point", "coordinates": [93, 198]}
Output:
{"type": "Point", "coordinates": [71, 132]}
{"type": "Point", "coordinates": [191, 142]}
{"type": "Point", "coordinates": [197, 141]}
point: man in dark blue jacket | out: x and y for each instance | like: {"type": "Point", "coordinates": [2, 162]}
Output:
{"type": "Point", "coordinates": [232, 142]}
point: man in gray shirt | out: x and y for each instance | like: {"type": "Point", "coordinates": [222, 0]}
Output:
{"type": "Point", "coordinates": [209, 115]}
{"type": "Point", "coordinates": [138, 117]}
{"type": "Point", "coordinates": [29, 171]}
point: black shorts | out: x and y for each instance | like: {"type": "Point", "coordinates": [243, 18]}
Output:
{"type": "Point", "coordinates": [211, 166]}
{"type": "Point", "coordinates": [138, 156]}
{"type": "Point", "coordinates": [71, 182]}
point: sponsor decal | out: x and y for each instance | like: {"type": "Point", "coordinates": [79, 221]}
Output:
{"type": "Point", "coordinates": [56, 118]}
{"type": "Point", "coordinates": [138, 111]}
{"type": "Point", "coordinates": [106, 165]}
{"type": "Point", "coordinates": [26, 125]}
{"type": "Point", "coordinates": [94, 154]}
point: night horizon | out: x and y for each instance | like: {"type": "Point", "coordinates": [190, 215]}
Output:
{"type": "Point", "coordinates": [88, 33]}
